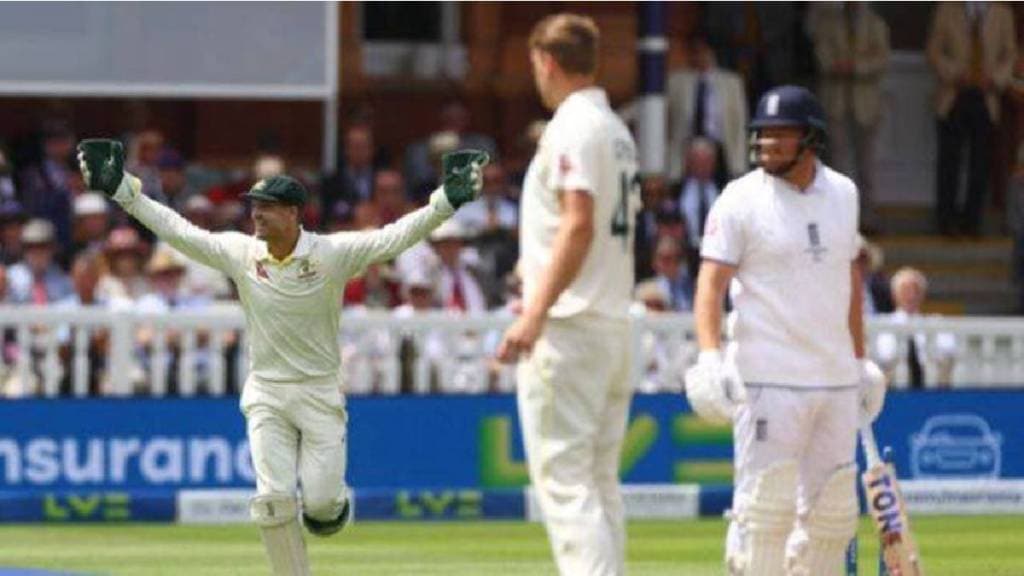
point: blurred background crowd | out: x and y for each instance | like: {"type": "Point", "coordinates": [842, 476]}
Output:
{"type": "Point", "coordinates": [64, 246]}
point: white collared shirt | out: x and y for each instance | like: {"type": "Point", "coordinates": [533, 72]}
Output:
{"type": "Point", "coordinates": [292, 306]}
{"type": "Point", "coordinates": [585, 147]}
{"type": "Point", "coordinates": [791, 292]}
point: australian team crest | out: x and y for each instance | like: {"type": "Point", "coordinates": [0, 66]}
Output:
{"type": "Point", "coordinates": [308, 269]}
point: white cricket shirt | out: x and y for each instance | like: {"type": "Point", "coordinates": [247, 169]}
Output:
{"type": "Point", "coordinates": [791, 292]}
{"type": "Point", "coordinates": [292, 307]}
{"type": "Point", "coordinates": [584, 147]}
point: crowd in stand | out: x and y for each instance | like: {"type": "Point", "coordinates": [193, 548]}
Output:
{"type": "Point", "coordinates": [62, 245]}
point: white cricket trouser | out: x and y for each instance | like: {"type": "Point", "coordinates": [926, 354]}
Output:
{"type": "Point", "coordinates": [816, 427]}
{"type": "Point", "coordinates": [297, 434]}
{"type": "Point", "coordinates": [574, 394]}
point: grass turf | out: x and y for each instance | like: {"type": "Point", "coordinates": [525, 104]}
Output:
{"type": "Point", "coordinates": [990, 546]}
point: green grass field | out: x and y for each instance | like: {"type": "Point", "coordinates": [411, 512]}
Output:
{"type": "Point", "coordinates": [971, 546]}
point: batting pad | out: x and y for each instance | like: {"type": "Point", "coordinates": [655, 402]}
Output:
{"type": "Point", "coordinates": [277, 517]}
{"type": "Point", "coordinates": [818, 545]}
{"type": "Point", "coordinates": [763, 522]}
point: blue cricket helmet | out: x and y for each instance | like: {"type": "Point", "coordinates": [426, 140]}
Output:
{"type": "Point", "coordinates": [792, 106]}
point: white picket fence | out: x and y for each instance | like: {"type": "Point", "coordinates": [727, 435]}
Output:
{"type": "Point", "coordinates": [48, 351]}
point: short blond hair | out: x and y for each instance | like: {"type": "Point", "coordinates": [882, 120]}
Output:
{"type": "Point", "coordinates": [571, 39]}
{"type": "Point", "coordinates": [908, 274]}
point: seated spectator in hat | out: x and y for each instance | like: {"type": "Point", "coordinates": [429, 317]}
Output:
{"type": "Point", "coordinates": [165, 273]}
{"type": "Point", "coordinates": [170, 165]}
{"type": "Point", "coordinates": [37, 279]}
{"type": "Point", "coordinates": [92, 222]}
{"type": "Point", "coordinates": [125, 253]}
{"type": "Point", "coordinates": [12, 221]}
{"type": "Point", "coordinates": [914, 360]}
{"type": "Point", "coordinates": [44, 187]}
{"type": "Point", "coordinates": [458, 289]}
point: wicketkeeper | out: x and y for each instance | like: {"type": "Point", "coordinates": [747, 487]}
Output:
{"type": "Point", "coordinates": [290, 282]}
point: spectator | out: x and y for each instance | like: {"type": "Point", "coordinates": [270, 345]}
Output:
{"type": "Point", "coordinates": [851, 46]}
{"type": "Point", "coordinates": [420, 170]}
{"type": "Point", "coordinates": [7, 191]}
{"type": "Point", "coordinates": [918, 362]}
{"type": "Point", "coordinates": [12, 221]}
{"type": "Point", "coordinates": [419, 296]}
{"type": "Point", "coordinates": [458, 289]}
{"type": "Point", "coordinates": [165, 273]}
{"type": "Point", "coordinates": [125, 253]}
{"type": "Point", "coordinates": [171, 169]}
{"type": "Point", "coordinates": [87, 269]}
{"type": "Point", "coordinates": [877, 295]}
{"type": "Point", "coordinates": [200, 280]}
{"type": "Point", "coordinates": [92, 221]}
{"type": "Point", "coordinates": [698, 192]}
{"type": "Point", "coordinates": [673, 273]}
{"type": "Point", "coordinates": [389, 196]}
{"type": "Point", "coordinates": [493, 212]}
{"type": "Point", "coordinates": [37, 279]}
{"type": "Point", "coordinates": [658, 216]}
{"type": "Point", "coordinates": [376, 289]}
{"type": "Point", "coordinates": [972, 49]}
{"type": "Point", "coordinates": [493, 220]}
{"type": "Point", "coordinates": [264, 166]}
{"type": "Point", "coordinates": [143, 161]}
{"type": "Point", "coordinates": [353, 182]}
{"type": "Point", "coordinates": [705, 100]}
{"type": "Point", "coordinates": [44, 187]}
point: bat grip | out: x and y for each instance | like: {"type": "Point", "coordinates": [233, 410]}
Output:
{"type": "Point", "coordinates": [867, 441]}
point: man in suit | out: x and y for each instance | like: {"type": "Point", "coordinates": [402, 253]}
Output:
{"type": "Point", "coordinates": [705, 100]}
{"type": "Point", "coordinates": [851, 47]}
{"type": "Point", "coordinates": [971, 47]}
{"type": "Point", "coordinates": [697, 193]}
{"type": "Point", "coordinates": [353, 182]}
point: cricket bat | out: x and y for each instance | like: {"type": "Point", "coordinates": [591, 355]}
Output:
{"type": "Point", "coordinates": [885, 503]}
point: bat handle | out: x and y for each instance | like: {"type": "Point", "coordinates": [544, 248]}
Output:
{"type": "Point", "coordinates": [867, 441]}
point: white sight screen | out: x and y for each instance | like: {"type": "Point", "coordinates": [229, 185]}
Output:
{"type": "Point", "coordinates": [164, 49]}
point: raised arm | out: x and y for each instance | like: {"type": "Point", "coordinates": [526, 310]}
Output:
{"type": "Point", "coordinates": [102, 165]}
{"type": "Point", "coordinates": [462, 183]}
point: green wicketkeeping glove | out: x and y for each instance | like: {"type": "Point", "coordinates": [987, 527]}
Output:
{"type": "Point", "coordinates": [102, 164]}
{"type": "Point", "coordinates": [463, 175]}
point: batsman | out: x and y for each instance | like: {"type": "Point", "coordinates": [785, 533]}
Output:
{"type": "Point", "coordinates": [794, 381]}
{"type": "Point", "coordinates": [290, 282]}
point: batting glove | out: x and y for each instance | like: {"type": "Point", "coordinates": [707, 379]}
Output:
{"type": "Point", "coordinates": [872, 391]}
{"type": "Point", "coordinates": [714, 387]}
